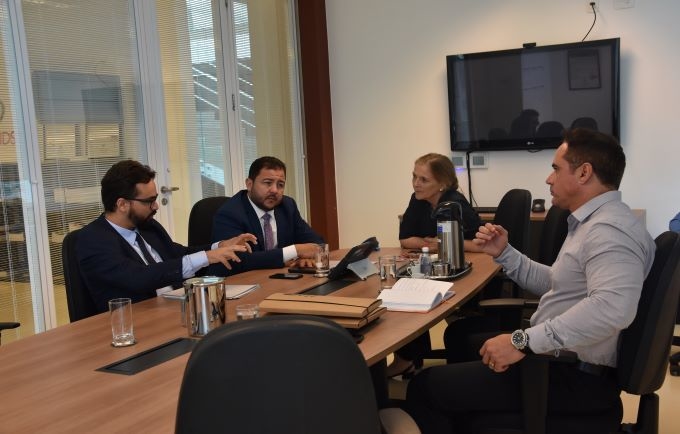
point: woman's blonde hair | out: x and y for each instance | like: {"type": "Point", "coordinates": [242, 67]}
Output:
{"type": "Point", "coordinates": [442, 169]}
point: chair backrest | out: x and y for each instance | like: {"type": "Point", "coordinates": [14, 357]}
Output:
{"type": "Point", "coordinates": [201, 219]}
{"type": "Point", "coordinates": [550, 129]}
{"type": "Point", "coordinates": [646, 343]}
{"type": "Point", "coordinates": [513, 213]}
{"type": "Point", "coordinates": [80, 302]}
{"type": "Point", "coordinates": [553, 233]}
{"type": "Point", "coordinates": [585, 122]}
{"type": "Point", "coordinates": [279, 373]}
{"type": "Point", "coordinates": [7, 326]}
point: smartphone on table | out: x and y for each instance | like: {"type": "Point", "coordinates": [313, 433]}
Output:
{"type": "Point", "coordinates": [289, 276]}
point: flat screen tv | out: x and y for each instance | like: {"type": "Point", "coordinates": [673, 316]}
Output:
{"type": "Point", "coordinates": [522, 99]}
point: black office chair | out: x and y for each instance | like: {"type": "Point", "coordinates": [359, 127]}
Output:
{"type": "Point", "coordinates": [514, 214]}
{"type": "Point", "coordinates": [585, 122]}
{"type": "Point", "coordinates": [553, 233]}
{"type": "Point", "coordinates": [550, 129]}
{"type": "Point", "coordinates": [80, 302]}
{"type": "Point", "coordinates": [642, 357]}
{"type": "Point", "coordinates": [201, 219]}
{"type": "Point", "coordinates": [674, 359]}
{"type": "Point", "coordinates": [287, 374]}
{"type": "Point", "coordinates": [7, 326]}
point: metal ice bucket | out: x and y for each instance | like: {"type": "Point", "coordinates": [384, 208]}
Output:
{"type": "Point", "coordinates": [205, 304]}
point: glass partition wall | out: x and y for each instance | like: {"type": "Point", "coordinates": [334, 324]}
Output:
{"type": "Point", "coordinates": [195, 88]}
{"type": "Point", "coordinates": [20, 282]}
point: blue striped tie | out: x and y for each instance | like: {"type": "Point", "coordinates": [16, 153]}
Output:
{"type": "Point", "coordinates": [145, 252]}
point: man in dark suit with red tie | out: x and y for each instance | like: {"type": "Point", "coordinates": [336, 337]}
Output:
{"type": "Point", "coordinates": [126, 253]}
{"type": "Point", "coordinates": [262, 209]}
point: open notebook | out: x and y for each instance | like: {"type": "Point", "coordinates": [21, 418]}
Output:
{"type": "Point", "coordinates": [231, 292]}
{"type": "Point", "coordinates": [416, 295]}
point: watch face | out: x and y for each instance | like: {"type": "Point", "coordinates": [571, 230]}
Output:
{"type": "Point", "coordinates": [519, 339]}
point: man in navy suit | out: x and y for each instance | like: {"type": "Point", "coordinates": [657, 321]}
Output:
{"type": "Point", "coordinates": [263, 204]}
{"type": "Point", "coordinates": [126, 253]}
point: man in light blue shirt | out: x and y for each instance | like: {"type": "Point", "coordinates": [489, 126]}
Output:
{"type": "Point", "coordinates": [588, 296]}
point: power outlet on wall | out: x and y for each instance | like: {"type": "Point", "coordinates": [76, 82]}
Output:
{"type": "Point", "coordinates": [478, 160]}
{"type": "Point", "coordinates": [589, 8]}
{"type": "Point", "coordinates": [624, 4]}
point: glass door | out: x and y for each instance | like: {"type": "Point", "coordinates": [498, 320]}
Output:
{"type": "Point", "coordinates": [229, 88]}
{"type": "Point", "coordinates": [195, 102]}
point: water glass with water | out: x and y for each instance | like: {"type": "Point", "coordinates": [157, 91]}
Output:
{"type": "Point", "coordinates": [321, 261]}
{"type": "Point", "coordinates": [387, 270]}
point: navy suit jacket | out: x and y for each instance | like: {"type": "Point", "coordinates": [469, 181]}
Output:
{"type": "Point", "coordinates": [237, 216]}
{"type": "Point", "coordinates": [111, 268]}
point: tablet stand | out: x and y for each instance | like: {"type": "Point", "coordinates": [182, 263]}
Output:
{"type": "Point", "coordinates": [363, 268]}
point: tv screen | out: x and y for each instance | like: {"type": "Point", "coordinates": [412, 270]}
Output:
{"type": "Point", "coordinates": [522, 99]}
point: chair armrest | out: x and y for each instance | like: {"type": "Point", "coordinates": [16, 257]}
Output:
{"type": "Point", "coordinates": [531, 303]}
{"type": "Point", "coordinates": [8, 325]}
{"type": "Point", "coordinates": [503, 303]}
{"type": "Point", "coordinates": [535, 380]}
{"type": "Point", "coordinates": [509, 310]}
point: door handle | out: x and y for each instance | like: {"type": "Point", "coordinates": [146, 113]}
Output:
{"type": "Point", "coordinates": [166, 190]}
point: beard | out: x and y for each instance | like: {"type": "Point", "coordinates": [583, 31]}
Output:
{"type": "Point", "coordinates": [266, 203]}
{"type": "Point", "coordinates": [140, 221]}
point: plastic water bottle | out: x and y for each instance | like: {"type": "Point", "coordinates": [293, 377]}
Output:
{"type": "Point", "coordinates": [425, 262]}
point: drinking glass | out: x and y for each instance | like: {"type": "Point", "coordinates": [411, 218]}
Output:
{"type": "Point", "coordinates": [121, 322]}
{"type": "Point", "coordinates": [321, 261]}
{"type": "Point", "coordinates": [247, 311]}
{"type": "Point", "coordinates": [387, 270]}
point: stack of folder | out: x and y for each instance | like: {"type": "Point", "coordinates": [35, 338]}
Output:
{"type": "Point", "coordinates": [349, 312]}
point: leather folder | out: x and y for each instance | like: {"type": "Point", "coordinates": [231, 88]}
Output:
{"type": "Point", "coordinates": [357, 323]}
{"type": "Point", "coordinates": [323, 305]}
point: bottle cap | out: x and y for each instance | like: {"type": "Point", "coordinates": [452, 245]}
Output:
{"type": "Point", "coordinates": [426, 249]}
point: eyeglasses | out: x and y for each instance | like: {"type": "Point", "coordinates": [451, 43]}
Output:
{"type": "Point", "coordinates": [148, 201]}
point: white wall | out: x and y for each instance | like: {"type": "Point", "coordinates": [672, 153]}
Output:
{"type": "Point", "coordinates": [388, 89]}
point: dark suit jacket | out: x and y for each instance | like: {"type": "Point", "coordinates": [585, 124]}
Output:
{"type": "Point", "coordinates": [417, 220]}
{"type": "Point", "coordinates": [237, 216]}
{"type": "Point", "coordinates": [111, 268]}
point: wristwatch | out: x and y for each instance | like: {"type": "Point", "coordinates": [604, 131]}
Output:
{"type": "Point", "coordinates": [520, 340]}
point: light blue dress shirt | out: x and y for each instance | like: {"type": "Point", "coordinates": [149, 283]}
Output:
{"type": "Point", "coordinates": [592, 290]}
{"type": "Point", "coordinates": [674, 224]}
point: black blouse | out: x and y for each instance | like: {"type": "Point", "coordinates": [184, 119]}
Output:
{"type": "Point", "coordinates": [418, 222]}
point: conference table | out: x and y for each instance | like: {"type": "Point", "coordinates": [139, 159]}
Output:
{"type": "Point", "coordinates": [49, 382]}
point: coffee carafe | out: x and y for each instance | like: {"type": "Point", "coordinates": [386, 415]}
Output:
{"type": "Point", "coordinates": [449, 217]}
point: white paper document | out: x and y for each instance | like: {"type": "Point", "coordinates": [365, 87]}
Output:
{"type": "Point", "coordinates": [416, 295]}
{"type": "Point", "coordinates": [231, 292]}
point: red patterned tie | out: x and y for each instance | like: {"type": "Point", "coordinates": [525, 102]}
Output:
{"type": "Point", "coordinates": [268, 232]}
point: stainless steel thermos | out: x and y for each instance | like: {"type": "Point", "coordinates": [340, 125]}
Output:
{"type": "Point", "coordinates": [450, 234]}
